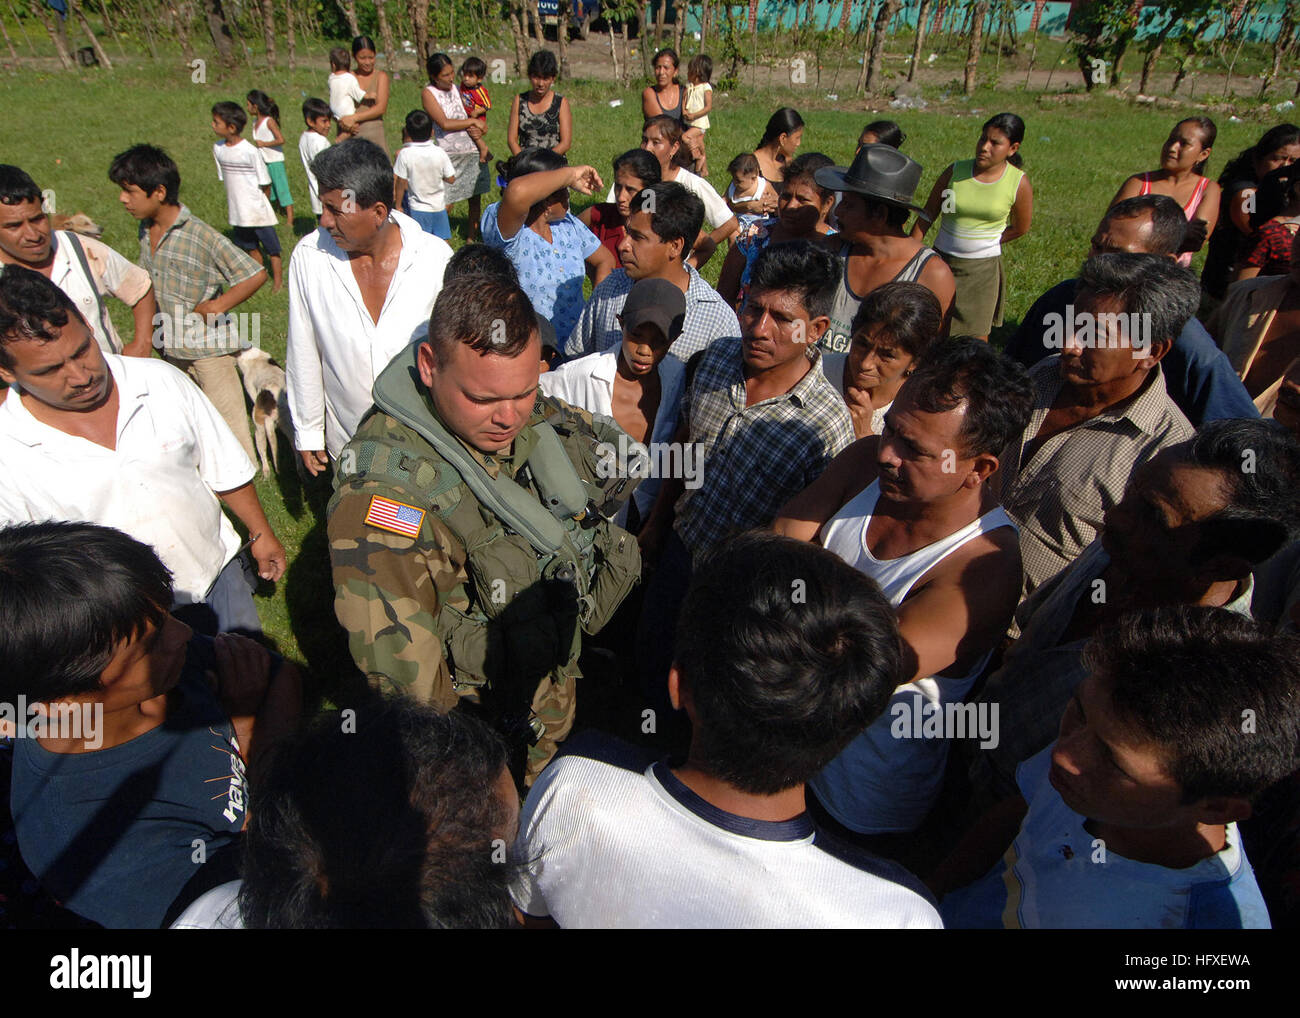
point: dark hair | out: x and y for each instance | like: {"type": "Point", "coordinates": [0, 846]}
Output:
{"type": "Point", "coordinates": [363, 42]}
{"type": "Point", "coordinates": [1208, 133]}
{"type": "Point", "coordinates": [996, 390]}
{"type": "Point", "coordinates": [1013, 127]}
{"type": "Point", "coordinates": [543, 64]}
{"type": "Point", "coordinates": [801, 267]}
{"type": "Point", "coordinates": [530, 160]}
{"type": "Point", "coordinates": [386, 822]}
{"type": "Point", "coordinates": [701, 66]}
{"type": "Point", "coordinates": [231, 114]}
{"type": "Point", "coordinates": [419, 125]}
{"type": "Point", "coordinates": [805, 167]}
{"type": "Point", "coordinates": [779, 683]}
{"type": "Point", "coordinates": [1260, 462]}
{"type": "Point", "coordinates": [340, 59]}
{"type": "Point", "coordinates": [474, 66]}
{"type": "Point", "coordinates": [70, 593]}
{"type": "Point", "coordinates": [313, 108]}
{"type": "Point", "coordinates": [887, 133]}
{"type": "Point", "coordinates": [1179, 677]}
{"type": "Point", "coordinates": [1243, 166]}
{"type": "Point", "coordinates": [264, 104]}
{"type": "Point", "coordinates": [746, 162]}
{"type": "Point", "coordinates": [672, 131]}
{"type": "Point", "coordinates": [1278, 189]}
{"type": "Point", "coordinates": [480, 259]}
{"type": "Point", "coordinates": [675, 213]}
{"type": "Point", "coordinates": [17, 187]}
{"type": "Point", "coordinates": [434, 65]}
{"type": "Point", "coordinates": [908, 313]}
{"type": "Point", "coordinates": [1168, 222]}
{"type": "Point", "coordinates": [31, 307]}
{"type": "Point", "coordinates": [148, 168]}
{"type": "Point", "coordinates": [894, 215]}
{"type": "Point", "coordinates": [671, 54]}
{"type": "Point", "coordinates": [486, 312]}
{"type": "Point", "coordinates": [358, 165]}
{"type": "Point", "coordinates": [1163, 292]}
{"type": "Point", "coordinates": [786, 120]}
{"type": "Point", "coordinates": [641, 164]}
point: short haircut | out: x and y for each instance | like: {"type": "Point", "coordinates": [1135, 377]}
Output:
{"type": "Point", "coordinates": [745, 163]}
{"type": "Point", "coordinates": [787, 653]}
{"type": "Point", "coordinates": [1260, 461]}
{"type": "Point", "coordinates": [474, 66]}
{"type": "Point", "coordinates": [340, 59]}
{"type": "Point", "coordinates": [387, 822]}
{"type": "Point", "coordinates": [996, 390]}
{"type": "Point", "coordinates": [675, 213]}
{"type": "Point", "coordinates": [908, 313]}
{"type": "Point", "coordinates": [31, 307]}
{"type": "Point", "coordinates": [887, 133]}
{"type": "Point", "coordinates": [149, 168]}
{"type": "Point", "coordinates": [641, 164]}
{"type": "Point", "coordinates": [358, 165]}
{"type": "Point", "coordinates": [700, 66]}
{"type": "Point", "coordinates": [70, 594]}
{"type": "Point", "coordinates": [1180, 677]}
{"type": "Point", "coordinates": [804, 168]}
{"type": "Point", "coordinates": [895, 215]}
{"type": "Point", "coordinates": [543, 64]}
{"type": "Point", "coordinates": [17, 187]}
{"type": "Point", "coordinates": [479, 258]}
{"type": "Point", "coordinates": [1165, 293]}
{"type": "Point", "coordinates": [801, 267]}
{"type": "Point", "coordinates": [1168, 223]}
{"type": "Point", "coordinates": [231, 114]}
{"type": "Point", "coordinates": [419, 125]}
{"type": "Point", "coordinates": [485, 312]}
{"type": "Point", "coordinates": [314, 108]}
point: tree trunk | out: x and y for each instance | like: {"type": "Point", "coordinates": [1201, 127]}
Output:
{"type": "Point", "coordinates": [976, 43]}
{"type": "Point", "coordinates": [289, 36]}
{"type": "Point", "coordinates": [108, 23]}
{"type": "Point", "coordinates": [613, 52]}
{"type": "Point", "coordinates": [139, 17]}
{"type": "Point", "coordinates": [13, 53]}
{"type": "Point", "coordinates": [705, 17]}
{"type": "Point", "coordinates": [220, 31]}
{"type": "Point", "coordinates": [887, 10]}
{"type": "Point", "coordinates": [54, 27]}
{"type": "Point", "coordinates": [861, 85]}
{"type": "Point", "coordinates": [419, 11]}
{"type": "Point", "coordinates": [75, 9]}
{"type": "Point", "coordinates": [385, 34]}
{"type": "Point", "coordinates": [627, 58]}
{"type": "Point", "coordinates": [178, 22]}
{"type": "Point", "coordinates": [268, 31]}
{"type": "Point", "coordinates": [563, 9]}
{"type": "Point", "coordinates": [845, 11]}
{"type": "Point", "coordinates": [349, 8]}
{"type": "Point", "coordinates": [922, 14]}
{"type": "Point", "coordinates": [520, 37]}
{"type": "Point", "coordinates": [536, 15]}
{"type": "Point", "coordinates": [1280, 46]}
{"type": "Point", "coordinates": [679, 24]}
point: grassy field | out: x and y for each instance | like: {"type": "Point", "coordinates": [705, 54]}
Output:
{"type": "Point", "coordinates": [64, 130]}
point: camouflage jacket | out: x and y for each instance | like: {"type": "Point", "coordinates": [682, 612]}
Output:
{"type": "Point", "coordinates": [438, 597]}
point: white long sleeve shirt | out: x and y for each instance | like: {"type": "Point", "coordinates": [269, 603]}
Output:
{"type": "Point", "coordinates": [335, 349]}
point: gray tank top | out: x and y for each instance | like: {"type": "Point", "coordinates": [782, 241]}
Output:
{"type": "Point", "coordinates": [838, 334]}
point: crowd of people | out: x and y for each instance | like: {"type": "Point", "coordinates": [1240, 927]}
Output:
{"type": "Point", "coordinates": [911, 631]}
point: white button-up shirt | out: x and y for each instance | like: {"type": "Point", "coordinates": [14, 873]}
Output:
{"type": "Point", "coordinates": [336, 350]}
{"type": "Point", "coordinates": [113, 275]}
{"type": "Point", "coordinates": [173, 453]}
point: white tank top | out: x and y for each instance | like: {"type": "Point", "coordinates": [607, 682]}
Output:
{"type": "Point", "coordinates": [880, 783]}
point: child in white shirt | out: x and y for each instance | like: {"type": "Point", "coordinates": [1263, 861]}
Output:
{"type": "Point", "coordinates": [421, 172]}
{"type": "Point", "coordinates": [345, 90]}
{"type": "Point", "coordinates": [241, 169]}
{"type": "Point", "coordinates": [268, 140]}
{"type": "Point", "coordinates": [314, 140]}
{"type": "Point", "coordinates": [747, 184]}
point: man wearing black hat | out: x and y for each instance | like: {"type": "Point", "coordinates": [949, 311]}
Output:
{"type": "Point", "coordinates": [876, 198]}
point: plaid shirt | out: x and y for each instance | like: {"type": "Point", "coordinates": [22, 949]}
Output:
{"type": "Point", "coordinates": [1271, 251]}
{"type": "Point", "coordinates": [1059, 496]}
{"type": "Point", "coordinates": [193, 263]}
{"type": "Point", "coordinates": [755, 458]}
{"type": "Point", "coordinates": [707, 318]}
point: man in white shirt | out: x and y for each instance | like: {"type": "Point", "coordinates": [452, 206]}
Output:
{"type": "Point", "coordinates": [360, 290]}
{"type": "Point", "coordinates": [81, 267]}
{"type": "Point", "coordinates": [783, 654]}
{"type": "Point", "coordinates": [126, 443]}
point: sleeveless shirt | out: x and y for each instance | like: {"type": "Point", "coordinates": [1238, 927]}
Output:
{"type": "Point", "coordinates": [838, 334]}
{"type": "Point", "coordinates": [983, 210]}
{"type": "Point", "coordinates": [1189, 209]}
{"type": "Point", "coordinates": [539, 130]}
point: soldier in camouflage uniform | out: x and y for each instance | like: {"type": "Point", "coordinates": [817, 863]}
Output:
{"type": "Point", "coordinates": [459, 571]}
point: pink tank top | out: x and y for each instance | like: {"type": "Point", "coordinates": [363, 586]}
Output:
{"type": "Point", "coordinates": [1189, 209]}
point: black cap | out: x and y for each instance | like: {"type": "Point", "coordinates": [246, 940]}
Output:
{"type": "Point", "coordinates": [878, 171]}
{"type": "Point", "coordinates": [657, 301]}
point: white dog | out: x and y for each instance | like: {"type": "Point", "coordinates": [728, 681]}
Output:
{"type": "Point", "coordinates": [264, 383]}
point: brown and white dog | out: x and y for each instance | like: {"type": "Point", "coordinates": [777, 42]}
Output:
{"type": "Point", "coordinates": [264, 383]}
{"type": "Point", "coordinates": [79, 223]}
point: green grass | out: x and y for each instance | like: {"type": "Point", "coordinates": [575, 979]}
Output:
{"type": "Point", "coordinates": [65, 128]}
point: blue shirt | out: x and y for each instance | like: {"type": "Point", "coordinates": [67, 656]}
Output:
{"type": "Point", "coordinates": [1062, 878]}
{"type": "Point", "coordinates": [111, 833]}
{"type": "Point", "coordinates": [551, 274]}
{"type": "Point", "coordinates": [1198, 375]}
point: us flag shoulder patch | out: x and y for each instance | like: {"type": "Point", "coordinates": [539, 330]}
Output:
{"type": "Point", "coordinates": [395, 516]}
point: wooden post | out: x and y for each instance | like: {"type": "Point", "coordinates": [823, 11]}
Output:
{"type": "Point", "coordinates": [289, 39]}
{"type": "Point", "coordinates": [13, 53]}
{"type": "Point", "coordinates": [100, 53]}
{"type": "Point", "coordinates": [385, 34]}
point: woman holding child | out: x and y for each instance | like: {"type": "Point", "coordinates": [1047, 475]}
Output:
{"type": "Point", "coordinates": [456, 134]}
{"type": "Point", "coordinates": [368, 121]}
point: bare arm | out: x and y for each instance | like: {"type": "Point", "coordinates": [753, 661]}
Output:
{"type": "Point", "coordinates": [1129, 189]}
{"type": "Point", "coordinates": [143, 312]}
{"type": "Point", "coordinates": [380, 107]}
{"type": "Point", "coordinates": [600, 264]}
{"type": "Point", "coordinates": [1022, 212]}
{"type": "Point", "coordinates": [649, 107]}
{"type": "Point", "coordinates": [1239, 210]}
{"type": "Point", "coordinates": [848, 473]}
{"type": "Point", "coordinates": [233, 297]}
{"type": "Point", "coordinates": [983, 845]}
{"type": "Point", "coordinates": [733, 267]}
{"type": "Point", "coordinates": [443, 121]}
{"type": "Point", "coordinates": [524, 192]}
{"type": "Point", "coordinates": [512, 128]}
{"type": "Point", "coordinates": [266, 547]}
{"type": "Point", "coordinates": [1207, 217]}
{"type": "Point", "coordinates": [933, 205]}
{"type": "Point", "coordinates": [399, 191]}
{"type": "Point", "coordinates": [937, 278]}
{"type": "Point", "coordinates": [263, 707]}
{"type": "Point", "coordinates": [566, 129]}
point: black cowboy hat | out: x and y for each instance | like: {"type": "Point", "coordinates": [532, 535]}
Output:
{"type": "Point", "coordinates": [878, 171]}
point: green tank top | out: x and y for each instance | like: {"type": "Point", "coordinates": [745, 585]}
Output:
{"type": "Point", "coordinates": [982, 212]}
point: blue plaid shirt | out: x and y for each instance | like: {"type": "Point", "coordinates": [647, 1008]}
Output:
{"type": "Point", "coordinates": [755, 457]}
